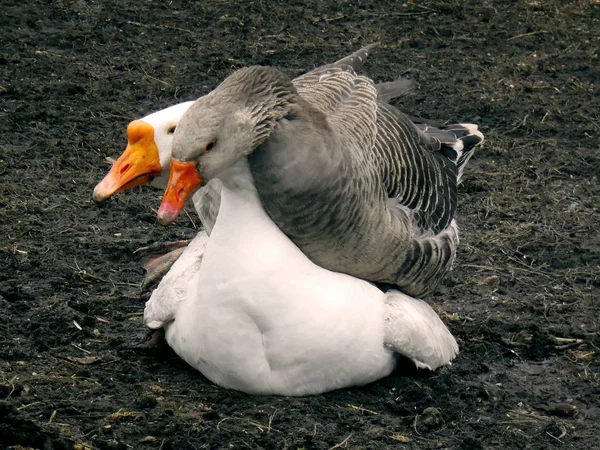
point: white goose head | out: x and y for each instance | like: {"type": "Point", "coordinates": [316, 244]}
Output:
{"type": "Point", "coordinates": [147, 156]}
{"type": "Point", "coordinates": [222, 127]}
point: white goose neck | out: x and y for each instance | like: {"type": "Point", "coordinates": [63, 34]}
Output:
{"type": "Point", "coordinates": [242, 214]}
{"type": "Point", "coordinates": [239, 178]}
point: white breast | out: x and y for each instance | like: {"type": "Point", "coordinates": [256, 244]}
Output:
{"type": "Point", "coordinates": [264, 319]}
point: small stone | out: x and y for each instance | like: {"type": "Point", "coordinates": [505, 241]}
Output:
{"type": "Point", "coordinates": [562, 409]}
{"type": "Point", "coordinates": [401, 438]}
{"type": "Point", "coordinates": [494, 280]}
{"type": "Point", "coordinates": [431, 418]}
{"type": "Point", "coordinates": [375, 431]}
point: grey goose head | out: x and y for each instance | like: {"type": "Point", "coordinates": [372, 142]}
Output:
{"type": "Point", "coordinates": [222, 127]}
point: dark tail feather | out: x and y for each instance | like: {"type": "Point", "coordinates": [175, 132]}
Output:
{"type": "Point", "coordinates": [471, 137]}
{"type": "Point", "coordinates": [457, 141]}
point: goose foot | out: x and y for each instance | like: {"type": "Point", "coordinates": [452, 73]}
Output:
{"type": "Point", "coordinates": [157, 267]}
{"type": "Point", "coordinates": [157, 338]}
{"type": "Point", "coordinates": [155, 344]}
{"type": "Point", "coordinates": [161, 247]}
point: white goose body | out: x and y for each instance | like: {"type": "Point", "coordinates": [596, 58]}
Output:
{"type": "Point", "coordinates": [255, 314]}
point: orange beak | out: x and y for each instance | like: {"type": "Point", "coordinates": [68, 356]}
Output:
{"type": "Point", "coordinates": [137, 166]}
{"type": "Point", "coordinates": [183, 182]}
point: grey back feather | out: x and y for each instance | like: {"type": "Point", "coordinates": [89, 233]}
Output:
{"type": "Point", "coordinates": [207, 200]}
{"type": "Point", "coordinates": [377, 198]}
{"type": "Point", "coordinates": [357, 185]}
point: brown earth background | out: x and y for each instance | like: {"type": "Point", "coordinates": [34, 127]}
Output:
{"type": "Point", "coordinates": [523, 300]}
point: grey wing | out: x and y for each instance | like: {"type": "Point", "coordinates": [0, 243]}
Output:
{"type": "Point", "coordinates": [390, 90]}
{"type": "Point", "coordinates": [352, 63]}
{"type": "Point", "coordinates": [355, 61]}
{"type": "Point", "coordinates": [355, 114]}
{"type": "Point", "coordinates": [349, 102]}
{"type": "Point", "coordinates": [420, 165]}
{"type": "Point", "coordinates": [419, 169]}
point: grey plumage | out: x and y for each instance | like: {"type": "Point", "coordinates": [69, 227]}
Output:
{"type": "Point", "coordinates": [388, 91]}
{"type": "Point", "coordinates": [351, 180]}
{"type": "Point", "coordinates": [207, 201]}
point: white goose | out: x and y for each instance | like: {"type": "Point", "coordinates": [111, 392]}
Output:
{"type": "Point", "coordinates": [148, 153]}
{"type": "Point", "coordinates": [146, 160]}
{"type": "Point", "coordinates": [251, 312]}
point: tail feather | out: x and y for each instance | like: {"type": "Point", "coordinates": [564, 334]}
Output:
{"type": "Point", "coordinates": [390, 90]}
{"type": "Point", "coordinates": [414, 330]}
{"type": "Point", "coordinates": [458, 141]}
{"type": "Point", "coordinates": [356, 60]}
{"type": "Point", "coordinates": [470, 137]}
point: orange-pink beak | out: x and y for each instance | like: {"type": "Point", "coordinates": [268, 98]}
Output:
{"type": "Point", "coordinates": [138, 164]}
{"type": "Point", "coordinates": [184, 180]}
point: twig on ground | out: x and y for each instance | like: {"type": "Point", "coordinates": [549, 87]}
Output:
{"type": "Point", "coordinates": [261, 427]}
{"type": "Point", "coordinates": [358, 408]}
{"type": "Point", "coordinates": [51, 419]}
{"type": "Point", "coordinates": [533, 33]}
{"type": "Point", "coordinates": [343, 443]}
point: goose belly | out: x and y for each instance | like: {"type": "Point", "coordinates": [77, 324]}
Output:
{"type": "Point", "coordinates": [263, 319]}
{"type": "Point", "coordinates": [265, 332]}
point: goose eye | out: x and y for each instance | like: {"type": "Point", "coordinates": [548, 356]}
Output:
{"type": "Point", "coordinates": [209, 146]}
{"type": "Point", "coordinates": [171, 130]}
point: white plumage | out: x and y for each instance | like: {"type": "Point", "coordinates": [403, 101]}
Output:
{"type": "Point", "coordinates": [250, 311]}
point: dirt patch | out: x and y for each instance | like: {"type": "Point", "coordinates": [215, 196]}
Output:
{"type": "Point", "coordinates": [523, 300]}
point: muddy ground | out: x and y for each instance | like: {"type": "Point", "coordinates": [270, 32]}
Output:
{"type": "Point", "coordinates": [523, 300]}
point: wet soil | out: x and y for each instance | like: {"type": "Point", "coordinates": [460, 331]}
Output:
{"type": "Point", "coordinates": [523, 300]}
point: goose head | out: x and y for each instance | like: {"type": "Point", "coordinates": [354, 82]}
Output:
{"type": "Point", "coordinates": [147, 157]}
{"type": "Point", "coordinates": [222, 127]}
